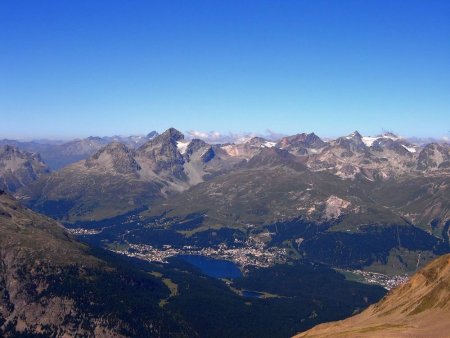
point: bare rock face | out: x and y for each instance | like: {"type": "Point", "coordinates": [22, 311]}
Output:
{"type": "Point", "coordinates": [352, 143]}
{"type": "Point", "coordinates": [196, 145]}
{"type": "Point", "coordinates": [18, 168]}
{"type": "Point", "coordinates": [335, 206]}
{"type": "Point", "coordinates": [163, 155]}
{"type": "Point", "coordinates": [247, 149]}
{"type": "Point", "coordinates": [301, 144]}
{"type": "Point", "coordinates": [434, 156]}
{"type": "Point", "coordinates": [115, 157]}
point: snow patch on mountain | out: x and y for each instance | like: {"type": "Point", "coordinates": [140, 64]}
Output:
{"type": "Point", "coordinates": [268, 144]}
{"type": "Point", "coordinates": [182, 146]}
{"type": "Point", "coordinates": [368, 140]}
{"type": "Point", "coordinates": [410, 149]}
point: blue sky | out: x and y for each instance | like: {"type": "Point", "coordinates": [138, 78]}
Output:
{"type": "Point", "coordinates": [79, 68]}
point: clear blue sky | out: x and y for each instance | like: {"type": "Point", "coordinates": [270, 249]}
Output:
{"type": "Point", "coordinates": [79, 68]}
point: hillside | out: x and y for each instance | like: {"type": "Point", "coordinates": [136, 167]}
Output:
{"type": "Point", "coordinates": [52, 285]}
{"type": "Point", "coordinates": [391, 227]}
{"type": "Point", "coordinates": [419, 308]}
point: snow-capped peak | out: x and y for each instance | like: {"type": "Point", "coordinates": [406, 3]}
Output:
{"type": "Point", "coordinates": [353, 135]}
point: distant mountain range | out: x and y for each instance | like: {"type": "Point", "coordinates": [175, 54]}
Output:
{"type": "Point", "coordinates": [57, 154]}
{"type": "Point", "coordinates": [137, 172]}
{"type": "Point", "coordinates": [345, 184]}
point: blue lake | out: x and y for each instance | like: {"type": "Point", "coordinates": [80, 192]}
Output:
{"type": "Point", "coordinates": [217, 268]}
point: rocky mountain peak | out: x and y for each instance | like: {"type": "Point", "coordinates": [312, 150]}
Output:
{"type": "Point", "coordinates": [355, 136]}
{"type": "Point", "coordinates": [434, 156]}
{"type": "Point", "coordinates": [314, 141]}
{"type": "Point", "coordinates": [391, 135]}
{"type": "Point", "coordinates": [399, 146]}
{"type": "Point", "coordinates": [152, 134]}
{"type": "Point", "coordinates": [199, 150]}
{"type": "Point", "coordinates": [115, 156]}
{"type": "Point", "coordinates": [195, 145]}
{"type": "Point", "coordinates": [256, 141]}
{"type": "Point", "coordinates": [7, 151]}
{"type": "Point", "coordinates": [164, 153]}
{"type": "Point", "coordinates": [19, 168]}
{"type": "Point", "coordinates": [352, 143]}
{"type": "Point", "coordinates": [301, 142]}
{"type": "Point", "coordinates": [170, 134]}
{"type": "Point", "coordinates": [112, 149]}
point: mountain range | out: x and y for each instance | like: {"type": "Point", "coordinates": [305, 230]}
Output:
{"type": "Point", "coordinates": [57, 154]}
{"type": "Point", "coordinates": [170, 164]}
{"type": "Point", "coordinates": [344, 187]}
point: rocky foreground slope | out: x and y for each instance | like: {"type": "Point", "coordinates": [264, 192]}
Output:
{"type": "Point", "coordinates": [52, 285]}
{"type": "Point", "coordinates": [419, 308]}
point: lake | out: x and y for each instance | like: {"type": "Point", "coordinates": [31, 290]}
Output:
{"type": "Point", "coordinates": [217, 268]}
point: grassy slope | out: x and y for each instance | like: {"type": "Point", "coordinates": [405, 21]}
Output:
{"type": "Point", "coordinates": [73, 195]}
{"type": "Point", "coordinates": [270, 194]}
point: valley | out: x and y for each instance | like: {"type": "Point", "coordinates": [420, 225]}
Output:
{"type": "Point", "coordinates": [302, 229]}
